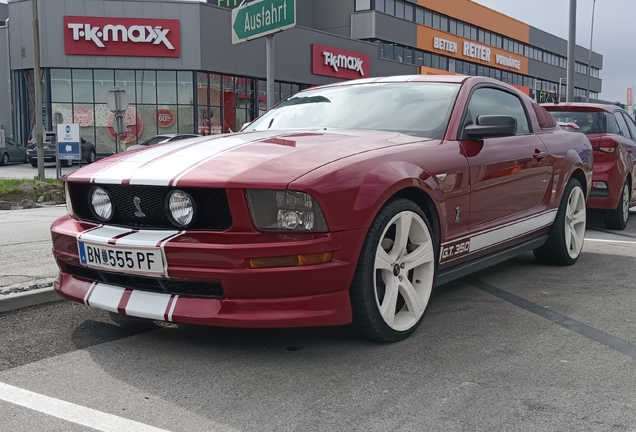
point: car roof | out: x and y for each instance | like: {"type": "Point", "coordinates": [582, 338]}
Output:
{"type": "Point", "coordinates": [580, 106]}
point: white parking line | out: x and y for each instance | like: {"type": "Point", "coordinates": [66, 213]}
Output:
{"type": "Point", "coordinates": [610, 241]}
{"type": "Point", "coordinates": [70, 412]}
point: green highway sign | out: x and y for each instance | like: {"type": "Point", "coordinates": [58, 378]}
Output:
{"type": "Point", "coordinates": [261, 18]}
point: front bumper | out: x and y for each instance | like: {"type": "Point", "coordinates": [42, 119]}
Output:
{"type": "Point", "coordinates": [49, 155]}
{"type": "Point", "coordinates": [313, 295]}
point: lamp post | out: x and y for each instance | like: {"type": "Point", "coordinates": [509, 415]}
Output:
{"type": "Point", "coordinates": [589, 59]}
{"type": "Point", "coordinates": [118, 103]}
{"type": "Point", "coordinates": [571, 52]}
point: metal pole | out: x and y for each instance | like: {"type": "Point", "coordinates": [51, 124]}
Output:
{"type": "Point", "coordinates": [589, 59]}
{"type": "Point", "coordinates": [37, 85]}
{"type": "Point", "coordinates": [269, 40]}
{"type": "Point", "coordinates": [571, 52]}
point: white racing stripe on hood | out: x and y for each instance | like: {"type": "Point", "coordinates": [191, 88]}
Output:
{"type": "Point", "coordinates": [102, 234]}
{"type": "Point", "coordinates": [146, 238]}
{"type": "Point", "coordinates": [160, 172]}
{"type": "Point", "coordinates": [125, 168]}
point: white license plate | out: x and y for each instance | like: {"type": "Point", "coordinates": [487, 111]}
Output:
{"type": "Point", "coordinates": [128, 260]}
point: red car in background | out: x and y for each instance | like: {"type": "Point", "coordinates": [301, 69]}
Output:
{"type": "Point", "coordinates": [344, 203]}
{"type": "Point", "coordinates": [613, 136]}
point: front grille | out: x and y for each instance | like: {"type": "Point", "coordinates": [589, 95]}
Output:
{"type": "Point", "coordinates": [142, 283]}
{"type": "Point", "coordinates": [212, 208]}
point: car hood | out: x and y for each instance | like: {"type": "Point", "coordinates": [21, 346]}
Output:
{"type": "Point", "coordinates": [258, 159]}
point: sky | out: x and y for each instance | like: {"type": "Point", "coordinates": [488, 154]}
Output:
{"type": "Point", "coordinates": [613, 29]}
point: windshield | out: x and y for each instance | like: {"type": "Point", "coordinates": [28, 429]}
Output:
{"type": "Point", "coordinates": [414, 108]}
{"type": "Point", "coordinates": [589, 122]}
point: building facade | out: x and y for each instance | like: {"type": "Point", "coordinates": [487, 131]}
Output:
{"type": "Point", "coordinates": [182, 73]}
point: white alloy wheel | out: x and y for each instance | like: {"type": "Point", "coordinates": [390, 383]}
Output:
{"type": "Point", "coordinates": [575, 219]}
{"type": "Point", "coordinates": [626, 202]}
{"type": "Point", "coordinates": [404, 270]}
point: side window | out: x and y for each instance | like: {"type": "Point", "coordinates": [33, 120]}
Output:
{"type": "Point", "coordinates": [489, 101]}
{"type": "Point", "coordinates": [612, 125]}
{"type": "Point", "coordinates": [622, 125]}
{"type": "Point", "coordinates": [630, 125]}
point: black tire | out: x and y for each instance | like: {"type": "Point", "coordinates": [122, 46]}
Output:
{"type": "Point", "coordinates": [34, 163]}
{"type": "Point", "coordinates": [617, 219]}
{"type": "Point", "coordinates": [367, 320]}
{"type": "Point", "coordinates": [555, 250]}
{"type": "Point", "coordinates": [66, 163]}
{"type": "Point", "coordinates": [91, 157]}
{"type": "Point", "coordinates": [5, 159]}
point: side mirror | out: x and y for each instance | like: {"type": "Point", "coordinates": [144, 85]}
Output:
{"type": "Point", "coordinates": [491, 126]}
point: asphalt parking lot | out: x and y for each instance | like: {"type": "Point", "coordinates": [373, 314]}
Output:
{"type": "Point", "coordinates": [519, 346]}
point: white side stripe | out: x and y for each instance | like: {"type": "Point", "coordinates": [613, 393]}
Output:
{"type": "Point", "coordinates": [71, 412]}
{"type": "Point", "coordinates": [172, 306]}
{"type": "Point", "coordinates": [482, 241]}
{"type": "Point", "coordinates": [106, 297]}
{"type": "Point", "coordinates": [160, 173]}
{"type": "Point", "coordinates": [148, 305]}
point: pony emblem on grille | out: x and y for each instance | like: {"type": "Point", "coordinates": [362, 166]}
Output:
{"type": "Point", "coordinates": [139, 212]}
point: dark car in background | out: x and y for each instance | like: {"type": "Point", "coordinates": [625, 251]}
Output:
{"type": "Point", "coordinates": [613, 136]}
{"type": "Point", "coordinates": [89, 154]}
{"type": "Point", "coordinates": [11, 151]}
{"type": "Point", "coordinates": [162, 138]}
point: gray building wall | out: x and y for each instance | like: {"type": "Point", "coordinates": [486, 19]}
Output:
{"type": "Point", "coordinates": [374, 25]}
{"type": "Point", "coordinates": [206, 42]}
{"type": "Point", "coordinates": [5, 96]}
{"type": "Point", "coordinates": [333, 16]}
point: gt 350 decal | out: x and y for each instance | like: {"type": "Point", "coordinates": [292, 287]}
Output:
{"type": "Point", "coordinates": [454, 251]}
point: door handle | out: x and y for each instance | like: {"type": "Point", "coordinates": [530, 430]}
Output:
{"type": "Point", "coordinates": [539, 155]}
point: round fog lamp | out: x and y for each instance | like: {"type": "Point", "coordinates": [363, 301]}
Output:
{"type": "Point", "coordinates": [101, 205]}
{"type": "Point", "coordinates": [180, 208]}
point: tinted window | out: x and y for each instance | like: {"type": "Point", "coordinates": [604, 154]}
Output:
{"type": "Point", "coordinates": [622, 125]}
{"type": "Point", "coordinates": [630, 125]}
{"type": "Point", "coordinates": [488, 101]}
{"type": "Point", "coordinates": [421, 109]}
{"type": "Point", "coordinates": [610, 124]}
{"type": "Point", "coordinates": [588, 122]}
{"type": "Point", "coordinates": [154, 140]}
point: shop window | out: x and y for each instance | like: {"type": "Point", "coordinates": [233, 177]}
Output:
{"type": "Point", "coordinates": [443, 63]}
{"type": "Point", "coordinates": [399, 53]}
{"type": "Point", "coordinates": [125, 79]}
{"type": "Point", "coordinates": [428, 59]}
{"type": "Point", "coordinates": [419, 58]}
{"type": "Point", "coordinates": [104, 82]}
{"type": "Point", "coordinates": [185, 88]}
{"type": "Point", "coordinates": [104, 142]}
{"type": "Point", "coordinates": [452, 26]}
{"type": "Point", "coordinates": [166, 87]}
{"type": "Point", "coordinates": [419, 15]}
{"type": "Point", "coordinates": [451, 65]}
{"type": "Point", "coordinates": [436, 21]}
{"type": "Point", "coordinates": [505, 44]}
{"type": "Point", "coordinates": [480, 70]}
{"type": "Point", "coordinates": [498, 42]}
{"type": "Point", "coordinates": [146, 87]}
{"type": "Point", "coordinates": [473, 70]}
{"type": "Point", "coordinates": [492, 73]}
{"type": "Point", "coordinates": [389, 51]}
{"type": "Point", "coordinates": [66, 109]}
{"type": "Point", "coordinates": [428, 18]}
{"type": "Point", "coordinates": [399, 9]}
{"type": "Point", "coordinates": [487, 38]}
{"type": "Point", "coordinates": [390, 7]}
{"type": "Point", "coordinates": [362, 5]}
{"type": "Point", "coordinates": [473, 33]}
{"type": "Point", "coordinates": [481, 36]}
{"type": "Point", "coordinates": [61, 85]}
{"type": "Point", "coordinates": [435, 63]}
{"type": "Point", "coordinates": [444, 24]}
{"type": "Point", "coordinates": [82, 85]}
{"type": "Point", "coordinates": [285, 90]}
{"type": "Point", "coordinates": [460, 29]}
{"type": "Point", "coordinates": [379, 5]}
{"type": "Point", "coordinates": [84, 115]}
{"type": "Point", "coordinates": [408, 12]}
{"type": "Point", "coordinates": [408, 56]}
{"type": "Point", "coordinates": [498, 74]}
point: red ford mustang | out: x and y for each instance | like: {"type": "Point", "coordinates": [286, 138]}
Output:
{"type": "Point", "coordinates": [345, 203]}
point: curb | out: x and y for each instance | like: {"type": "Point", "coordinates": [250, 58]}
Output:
{"type": "Point", "coordinates": [28, 298]}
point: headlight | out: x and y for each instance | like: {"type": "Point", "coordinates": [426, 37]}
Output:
{"type": "Point", "coordinates": [180, 208]}
{"type": "Point", "coordinates": [101, 204]}
{"type": "Point", "coordinates": [285, 211]}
